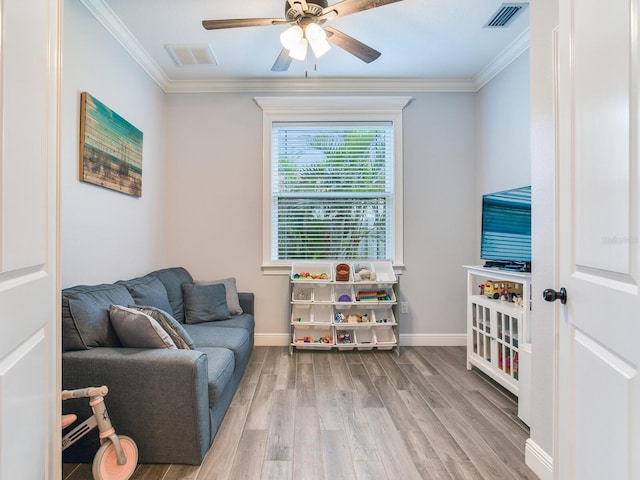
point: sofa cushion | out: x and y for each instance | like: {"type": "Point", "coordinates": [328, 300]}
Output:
{"type": "Point", "coordinates": [233, 303]}
{"type": "Point", "coordinates": [85, 315]}
{"type": "Point", "coordinates": [136, 329]}
{"type": "Point", "coordinates": [221, 365]}
{"type": "Point", "coordinates": [204, 303]}
{"type": "Point", "coordinates": [238, 340]}
{"type": "Point", "coordinates": [244, 320]}
{"type": "Point", "coordinates": [148, 290]}
{"type": "Point", "coordinates": [175, 330]}
{"type": "Point", "coordinates": [172, 279]}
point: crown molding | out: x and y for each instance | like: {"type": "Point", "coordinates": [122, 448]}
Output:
{"type": "Point", "coordinates": [103, 13]}
{"type": "Point", "coordinates": [502, 60]}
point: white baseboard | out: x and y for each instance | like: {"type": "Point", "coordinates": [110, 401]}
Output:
{"type": "Point", "coordinates": [408, 340]}
{"type": "Point", "coordinates": [538, 460]}
{"type": "Point", "coordinates": [433, 340]}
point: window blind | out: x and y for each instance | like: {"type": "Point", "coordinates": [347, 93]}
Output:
{"type": "Point", "coordinates": [332, 190]}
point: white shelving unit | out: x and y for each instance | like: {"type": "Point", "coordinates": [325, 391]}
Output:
{"type": "Point", "coordinates": [327, 312]}
{"type": "Point", "coordinates": [498, 332]}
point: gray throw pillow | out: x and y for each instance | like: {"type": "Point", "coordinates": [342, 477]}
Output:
{"type": "Point", "coordinates": [205, 303]}
{"type": "Point", "coordinates": [138, 330]}
{"type": "Point", "coordinates": [233, 303]}
{"type": "Point", "coordinates": [175, 330]}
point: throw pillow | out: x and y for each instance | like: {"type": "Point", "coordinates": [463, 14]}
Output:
{"type": "Point", "coordinates": [175, 330]}
{"type": "Point", "coordinates": [138, 330]}
{"type": "Point", "coordinates": [148, 291]}
{"type": "Point", "coordinates": [233, 303]}
{"type": "Point", "coordinates": [205, 303]}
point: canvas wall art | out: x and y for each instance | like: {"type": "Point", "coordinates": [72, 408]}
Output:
{"type": "Point", "coordinates": [110, 148]}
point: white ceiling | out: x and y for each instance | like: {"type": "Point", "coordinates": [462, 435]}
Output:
{"type": "Point", "coordinates": [433, 41]}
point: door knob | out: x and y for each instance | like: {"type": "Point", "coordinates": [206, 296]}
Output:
{"type": "Point", "coordinates": [550, 295]}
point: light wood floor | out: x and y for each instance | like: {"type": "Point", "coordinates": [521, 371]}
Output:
{"type": "Point", "coordinates": [360, 415]}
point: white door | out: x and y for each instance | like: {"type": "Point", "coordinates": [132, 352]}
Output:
{"type": "Point", "coordinates": [29, 384]}
{"type": "Point", "coordinates": [598, 392]}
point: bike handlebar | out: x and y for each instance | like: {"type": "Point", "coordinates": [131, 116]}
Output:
{"type": "Point", "coordinates": [85, 392]}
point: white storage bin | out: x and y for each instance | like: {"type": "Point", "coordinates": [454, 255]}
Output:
{"type": "Point", "coordinates": [302, 293]}
{"type": "Point", "coordinates": [353, 317]}
{"type": "Point", "coordinates": [385, 338]}
{"type": "Point", "coordinates": [322, 294]}
{"type": "Point", "coordinates": [384, 316]}
{"type": "Point", "coordinates": [340, 292]}
{"type": "Point", "coordinates": [365, 339]}
{"type": "Point", "coordinates": [312, 272]}
{"type": "Point", "coordinates": [373, 294]}
{"type": "Point", "coordinates": [313, 337]}
{"type": "Point", "coordinates": [345, 339]}
{"type": "Point", "coordinates": [384, 272]}
{"type": "Point", "coordinates": [301, 314]}
{"type": "Point", "coordinates": [322, 314]}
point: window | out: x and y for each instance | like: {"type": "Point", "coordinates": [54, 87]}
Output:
{"type": "Point", "coordinates": [333, 177]}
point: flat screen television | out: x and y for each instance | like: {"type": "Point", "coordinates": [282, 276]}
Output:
{"type": "Point", "coordinates": [506, 229]}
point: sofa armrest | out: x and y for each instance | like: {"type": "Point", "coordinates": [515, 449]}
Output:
{"type": "Point", "coordinates": [246, 301]}
{"type": "Point", "coordinates": [158, 397]}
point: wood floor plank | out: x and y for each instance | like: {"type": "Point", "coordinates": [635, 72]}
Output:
{"type": "Point", "coordinates": [398, 411]}
{"type": "Point", "coordinates": [337, 459]}
{"type": "Point", "coordinates": [372, 365]}
{"type": "Point", "coordinates": [425, 457]}
{"type": "Point", "coordinates": [218, 461]}
{"type": "Point", "coordinates": [340, 371]}
{"type": "Point", "coordinates": [321, 364]}
{"type": "Point", "coordinates": [259, 416]}
{"type": "Point", "coordinates": [373, 470]}
{"type": "Point", "coordinates": [390, 445]}
{"type": "Point", "coordinates": [181, 472]}
{"type": "Point", "coordinates": [305, 386]}
{"type": "Point", "coordinates": [281, 429]}
{"type": "Point", "coordinates": [270, 361]}
{"type": "Point", "coordinates": [247, 386]}
{"type": "Point", "coordinates": [394, 372]}
{"type": "Point", "coordinates": [307, 457]}
{"type": "Point", "coordinates": [329, 412]}
{"type": "Point", "coordinates": [359, 434]}
{"type": "Point", "coordinates": [426, 389]}
{"type": "Point", "coordinates": [150, 472]}
{"type": "Point", "coordinates": [274, 470]}
{"type": "Point", "coordinates": [367, 393]}
{"type": "Point", "coordinates": [247, 463]}
{"type": "Point", "coordinates": [410, 357]}
{"type": "Point", "coordinates": [286, 371]}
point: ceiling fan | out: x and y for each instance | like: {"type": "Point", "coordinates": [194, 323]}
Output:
{"type": "Point", "coordinates": [306, 19]}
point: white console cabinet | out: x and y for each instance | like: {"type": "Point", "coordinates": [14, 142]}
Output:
{"type": "Point", "coordinates": [498, 333]}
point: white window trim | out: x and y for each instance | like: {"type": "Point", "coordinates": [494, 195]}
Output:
{"type": "Point", "coordinates": [360, 108]}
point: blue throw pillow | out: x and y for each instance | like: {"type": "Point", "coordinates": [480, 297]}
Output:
{"type": "Point", "coordinates": [205, 303]}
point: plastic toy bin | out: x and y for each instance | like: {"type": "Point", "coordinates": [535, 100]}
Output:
{"type": "Point", "coordinates": [322, 294]}
{"type": "Point", "coordinates": [349, 317]}
{"type": "Point", "coordinates": [322, 314]}
{"type": "Point", "coordinates": [345, 338]}
{"type": "Point", "coordinates": [374, 294]}
{"type": "Point", "coordinates": [383, 316]}
{"type": "Point", "coordinates": [312, 272]}
{"type": "Point", "coordinates": [385, 338]}
{"type": "Point", "coordinates": [313, 337]}
{"type": "Point", "coordinates": [301, 314]}
{"type": "Point", "coordinates": [365, 339]}
{"type": "Point", "coordinates": [341, 292]}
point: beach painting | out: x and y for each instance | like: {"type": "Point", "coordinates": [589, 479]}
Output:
{"type": "Point", "coordinates": [110, 148]}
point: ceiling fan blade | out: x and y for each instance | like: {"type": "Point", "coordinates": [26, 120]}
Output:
{"type": "Point", "coordinates": [351, 45]}
{"type": "Point", "coordinates": [242, 22]}
{"type": "Point", "coordinates": [347, 7]}
{"type": "Point", "coordinates": [283, 61]}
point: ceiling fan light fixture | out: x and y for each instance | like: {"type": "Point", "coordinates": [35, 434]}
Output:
{"type": "Point", "coordinates": [291, 37]}
{"type": "Point", "coordinates": [317, 38]}
{"type": "Point", "coordinates": [299, 51]}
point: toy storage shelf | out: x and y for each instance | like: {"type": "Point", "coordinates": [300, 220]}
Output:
{"type": "Point", "coordinates": [498, 334]}
{"type": "Point", "coordinates": [357, 313]}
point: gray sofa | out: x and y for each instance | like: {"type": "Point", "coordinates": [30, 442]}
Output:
{"type": "Point", "coordinates": [171, 401]}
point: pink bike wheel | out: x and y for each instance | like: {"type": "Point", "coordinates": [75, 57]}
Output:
{"type": "Point", "coordinates": [105, 463]}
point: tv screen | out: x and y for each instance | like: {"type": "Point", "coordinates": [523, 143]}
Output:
{"type": "Point", "coordinates": [506, 229]}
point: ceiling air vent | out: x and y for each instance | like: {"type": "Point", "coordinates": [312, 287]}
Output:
{"type": "Point", "coordinates": [190, 55]}
{"type": "Point", "coordinates": [505, 15]}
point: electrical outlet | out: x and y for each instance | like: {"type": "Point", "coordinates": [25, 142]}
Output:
{"type": "Point", "coordinates": [404, 307]}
